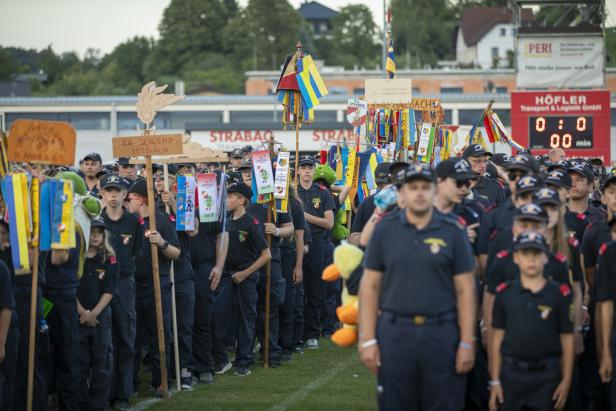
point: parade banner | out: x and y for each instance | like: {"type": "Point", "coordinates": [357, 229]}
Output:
{"type": "Point", "coordinates": [208, 197]}
{"type": "Point", "coordinates": [282, 175]}
{"type": "Point", "coordinates": [42, 142]}
{"type": "Point", "coordinates": [357, 112]}
{"type": "Point", "coordinates": [185, 217]}
{"type": "Point", "coordinates": [424, 139]}
{"type": "Point", "coordinates": [262, 168]}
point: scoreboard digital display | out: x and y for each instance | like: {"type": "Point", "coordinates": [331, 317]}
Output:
{"type": "Point", "coordinates": [578, 121]}
{"type": "Point", "coordinates": [566, 132]}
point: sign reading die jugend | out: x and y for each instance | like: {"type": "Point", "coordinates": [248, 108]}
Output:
{"type": "Point", "coordinates": [576, 121]}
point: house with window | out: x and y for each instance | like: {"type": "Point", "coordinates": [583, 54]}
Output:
{"type": "Point", "coordinates": [485, 37]}
{"type": "Point", "coordinates": [319, 16]}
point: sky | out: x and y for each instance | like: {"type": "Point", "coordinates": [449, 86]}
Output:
{"type": "Point", "coordinates": [76, 25]}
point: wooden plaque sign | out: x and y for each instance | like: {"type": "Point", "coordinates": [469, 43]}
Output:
{"type": "Point", "coordinates": [381, 93]}
{"type": "Point", "coordinates": [42, 142]}
{"type": "Point", "coordinates": [148, 145]}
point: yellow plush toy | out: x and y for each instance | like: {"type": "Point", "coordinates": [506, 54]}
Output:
{"type": "Point", "coordinates": [347, 259]}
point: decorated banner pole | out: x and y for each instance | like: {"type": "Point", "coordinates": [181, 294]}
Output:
{"type": "Point", "coordinates": [30, 143]}
{"type": "Point", "coordinates": [298, 53]}
{"type": "Point", "coordinates": [271, 208]}
{"type": "Point", "coordinates": [146, 145]}
{"type": "Point", "coordinates": [174, 318]}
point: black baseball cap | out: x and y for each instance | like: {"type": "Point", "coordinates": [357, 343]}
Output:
{"type": "Point", "coordinates": [240, 188]}
{"type": "Point", "coordinates": [396, 166]}
{"type": "Point", "coordinates": [113, 181]}
{"type": "Point", "coordinates": [418, 171]}
{"type": "Point", "coordinates": [501, 159]}
{"type": "Point", "coordinates": [246, 165]}
{"type": "Point", "coordinates": [612, 220]}
{"type": "Point", "coordinates": [546, 196]}
{"type": "Point", "coordinates": [104, 171]}
{"type": "Point", "coordinates": [237, 153]}
{"type": "Point", "coordinates": [98, 222]}
{"type": "Point", "coordinates": [611, 179]}
{"type": "Point", "coordinates": [559, 165]}
{"type": "Point", "coordinates": [93, 157]}
{"type": "Point", "coordinates": [475, 150]}
{"type": "Point", "coordinates": [124, 161]}
{"type": "Point", "coordinates": [381, 173]}
{"type": "Point", "coordinates": [527, 184]}
{"type": "Point", "coordinates": [558, 178]}
{"type": "Point", "coordinates": [456, 168]}
{"type": "Point", "coordinates": [582, 170]}
{"type": "Point", "coordinates": [523, 162]}
{"type": "Point", "coordinates": [530, 240]}
{"type": "Point", "coordinates": [305, 160]}
{"type": "Point", "coordinates": [531, 211]}
{"type": "Point", "coordinates": [139, 187]}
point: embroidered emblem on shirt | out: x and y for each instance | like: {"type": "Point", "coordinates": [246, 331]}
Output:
{"type": "Point", "coordinates": [242, 235]}
{"type": "Point", "coordinates": [316, 202]}
{"type": "Point", "coordinates": [435, 244]}
{"type": "Point", "coordinates": [126, 238]}
{"type": "Point", "coordinates": [545, 311]}
{"type": "Point", "coordinates": [101, 274]}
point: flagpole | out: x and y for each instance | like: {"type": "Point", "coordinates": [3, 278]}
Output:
{"type": "Point", "coordinates": [297, 121]}
{"type": "Point", "coordinates": [387, 11]}
{"type": "Point", "coordinates": [271, 208]}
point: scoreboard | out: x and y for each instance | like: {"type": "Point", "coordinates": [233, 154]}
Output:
{"type": "Point", "coordinates": [576, 121]}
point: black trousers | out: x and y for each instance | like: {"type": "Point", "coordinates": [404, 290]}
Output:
{"type": "Point", "coordinates": [287, 308]}
{"type": "Point", "coordinates": [64, 326]}
{"type": "Point", "coordinates": [528, 390]}
{"type": "Point", "coordinates": [277, 296]}
{"type": "Point", "coordinates": [185, 312]}
{"type": "Point", "coordinates": [96, 363]}
{"type": "Point", "coordinates": [8, 367]}
{"type": "Point", "coordinates": [124, 324]}
{"type": "Point", "coordinates": [418, 366]}
{"type": "Point", "coordinates": [246, 317]}
{"type": "Point", "coordinates": [22, 306]}
{"type": "Point", "coordinates": [332, 295]}
{"type": "Point", "coordinates": [314, 287]}
{"type": "Point", "coordinates": [147, 329]}
{"type": "Point", "coordinates": [202, 338]}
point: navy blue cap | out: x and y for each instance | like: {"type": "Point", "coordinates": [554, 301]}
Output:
{"type": "Point", "coordinates": [524, 162]}
{"type": "Point", "coordinates": [501, 159]}
{"type": "Point", "coordinates": [546, 196]}
{"type": "Point", "coordinates": [306, 160]}
{"type": "Point", "coordinates": [93, 157]}
{"type": "Point", "coordinates": [246, 165]}
{"type": "Point", "coordinates": [237, 153]}
{"type": "Point", "coordinates": [98, 222]}
{"type": "Point", "coordinates": [139, 187]}
{"type": "Point", "coordinates": [561, 164]}
{"type": "Point", "coordinates": [240, 188]}
{"type": "Point", "coordinates": [559, 178]}
{"type": "Point", "coordinates": [611, 179]}
{"type": "Point", "coordinates": [475, 150]}
{"type": "Point", "coordinates": [113, 180]}
{"type": "Point", "coordinates": [531, 211]}
{"type": "Point", "coordinates": [456, 168]}
{"type": "Point", "coordinates": [583, 170]}
{"type": "Point", "coordinates": [381, 173]}
{"type": "Point", "coordinates": [527, 184]}
{"type": "Point", "coordinates": [418, 171]}
{"type": "Point", "coordinates": [530, 240]}
{"type": "Point", "coordinates": [124, 161]}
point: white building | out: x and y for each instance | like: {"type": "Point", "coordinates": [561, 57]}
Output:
{"type": "Point", "coordinates": [485, 36]}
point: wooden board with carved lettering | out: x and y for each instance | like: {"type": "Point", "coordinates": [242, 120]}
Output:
{"type": "Point", "coordinates": [147, 145]}
{"type": "Point", "coordinates": [42, 142]}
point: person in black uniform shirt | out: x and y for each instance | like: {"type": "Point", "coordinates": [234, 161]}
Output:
{"type": "Point", "coordinates": [208, 251]}
{"type": "Point", "coordinates": [580, 212]}
{"type": "Point", "coordinates": [166, 240]}
{"type": "Point", "coordinates": [94, 295]}
{"type": "Point", "coordinates": [419, 275]}
{"type": "Point", "coordinates": [92, 164]}
{"type": "Point", "coordinates": [280, 227]}
{"type": "Point", "coordinates": [560, 181]}
{"type": "Point", "coordinates": [127, 170]}
{"type": "Point", "coordinates": [8, 345]}
{"type": "Point", "coordinates": [246, 255]}
{"type": "Point", "coordinates": [479, 158]}
{"type": "Point", "coordinates": [532, 358]}
{"type": "Point", "coordinates": [126, 237]}
{"type": "Point", "coordinates": [236, 158]}
{"type": "Point", "coordinates": [501, 217]}
{"type": "Point", "coordinates": [318, 205]}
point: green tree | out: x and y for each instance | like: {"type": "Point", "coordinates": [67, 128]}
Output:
{"type": "Point", "coordinates": [610, 46]}
{"type": "Point", "coordinates": [8, 65]}
{"type": "Point", "coordinates": [124, 66]}
{"type": "Point", "coordinates": [354, 38]}
{"type": "Point", "coordinates": [422, 31]}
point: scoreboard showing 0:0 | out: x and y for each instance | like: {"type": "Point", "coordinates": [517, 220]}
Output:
{"type": "Point", "coordinates": [567, 132]}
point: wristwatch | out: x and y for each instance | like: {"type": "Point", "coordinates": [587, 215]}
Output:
{"type": "Point", "coordinates": [165, 245]}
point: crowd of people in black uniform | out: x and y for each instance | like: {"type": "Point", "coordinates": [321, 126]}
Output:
{"type": "Point", "coordinates": [487, 284]}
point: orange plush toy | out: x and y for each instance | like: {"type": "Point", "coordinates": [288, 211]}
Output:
{"type": "Point", "coordinates": [347, 258]}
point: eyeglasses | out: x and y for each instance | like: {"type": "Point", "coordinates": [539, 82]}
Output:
{"type": "Point", "coordinates": [463, 183]}
{"type": "Point", "coordinates": [514, 176]}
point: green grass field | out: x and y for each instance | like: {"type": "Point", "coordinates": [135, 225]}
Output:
{"type": "Point", "coordinates": [325, 379]}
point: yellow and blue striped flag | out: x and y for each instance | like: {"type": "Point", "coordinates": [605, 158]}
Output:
{"type": "Point", "coordinates": [390, 64]}
{"type": "Point", "coordinates": [309, 81]}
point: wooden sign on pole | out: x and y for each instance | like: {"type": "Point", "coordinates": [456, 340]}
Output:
{"type": "Point", "coordinates": [42, 142]}
{"type": "Point", "coordinates": [147, 145]}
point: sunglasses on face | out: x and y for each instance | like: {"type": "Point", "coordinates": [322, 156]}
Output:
{"type": "Point", "coordinates": [514, 176]}
{"type": "Point", "coordinates": [463, 183]}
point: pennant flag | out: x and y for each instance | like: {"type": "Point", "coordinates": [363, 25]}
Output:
{"type": "Point", "coordinates": [13, 197]}
{"type": "Point", "coordinates": [45, 214]}
{"type": "Point", "coordinates": [309, 81]}
{"type": "Point", "coordinates": [288, 79]}
{"type": "Point", "coordinates": [390, 65]}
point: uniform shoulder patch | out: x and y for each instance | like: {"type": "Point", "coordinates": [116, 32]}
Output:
{"type": "Point", "coordinates": [172, 218]}
{"type": "Point", "coordinates": [565, 290]}
{"type": "Point", "coordinates": [255, 220]}
{"type": "Point", "coordinates": [501, 287]}
{"type": "Point", "coordinates": [112, 259]}
{"type": "Point", "coordinates": [462, 221]}
{"type": "Point", "coordinates": [602, 248]}
{"type": "Point", "coordinates": [322, 187]}
{"type": "Point", "coordinates": [140, 220]}
{"type": "Point", "coordinates": [560, 257]}
{"type": "Point", "coordinates": [502, 254]}
{"type": "Point", "coordinates": [573, 242]}
{"type": "Point", "coordinates": [581, 216]}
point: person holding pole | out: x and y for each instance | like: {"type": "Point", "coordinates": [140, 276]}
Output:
{"type": "Point", "coordinates": [8, 339]}
{"type": "Point", "coordinates": [247, 254]}
{"type": "Point", "coordinates": [166, 240]}
{"type": "Point", "coordinates": [126, 237]}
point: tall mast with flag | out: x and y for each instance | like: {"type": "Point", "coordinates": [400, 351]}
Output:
{"type": "Point", "coordinates": [390, 64]}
